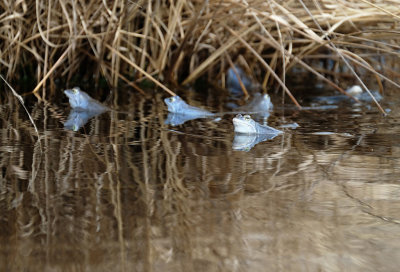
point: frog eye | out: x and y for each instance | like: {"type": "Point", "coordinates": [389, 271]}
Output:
{"type": "Point", "coordinates": [173, 99]}
{"type": "Point", "coordinates": [75, 90]}
{"type": "Point", "coordinates": [247, 117]}
{"type": "Point", "coordinates": [75, 128]}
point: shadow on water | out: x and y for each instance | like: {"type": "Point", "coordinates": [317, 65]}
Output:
{"type": "Point", "coordinates": [128, 192]}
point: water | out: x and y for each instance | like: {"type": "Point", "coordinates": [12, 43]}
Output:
{"type": "Point", "coordinates": [128, 193]}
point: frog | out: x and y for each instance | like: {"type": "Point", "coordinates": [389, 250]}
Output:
{"type": "Point", "coordinates": [83, 107]}
{"type": "Point", "coordinates": [81, 101]}
{"type": "Point", "coordinates": [244, 124]}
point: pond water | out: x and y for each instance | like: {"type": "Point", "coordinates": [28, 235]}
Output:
{"type": "Point", "coordinates": [127, 192]}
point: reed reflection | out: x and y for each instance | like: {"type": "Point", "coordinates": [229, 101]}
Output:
{"type": "Point", "coordinates": [145, 198]}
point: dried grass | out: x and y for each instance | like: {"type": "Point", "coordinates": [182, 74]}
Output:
{"type": "Point", "coordinates": [179, 41]}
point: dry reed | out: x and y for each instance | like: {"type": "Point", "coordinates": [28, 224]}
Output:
{"type": "Point", "coordinates": [179, 41]}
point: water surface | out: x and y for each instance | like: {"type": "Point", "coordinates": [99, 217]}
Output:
{"type": "Point", "coordinates": [127, 192]}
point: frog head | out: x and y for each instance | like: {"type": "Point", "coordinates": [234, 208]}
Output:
{"type": "Point", "coordinates": [77, 98]}
{"type": "Point", "coordinates": [244, 124]}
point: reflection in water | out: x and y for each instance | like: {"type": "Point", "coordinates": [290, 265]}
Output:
{"type": "Point", "coordinates": [78, 118]}
{"type": "Point", "coordinates": [129, 196]}
{"type": "Point", "coordinates": [176, 119]}
{"type": "Point", "coordinates": [245, 142]}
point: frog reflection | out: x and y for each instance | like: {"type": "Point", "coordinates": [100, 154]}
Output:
{"type": "Point", "coordinates": [176, 119]}
{"type": "Point", "coordinates": [245, 142]}
{"type": "Point", "coordinates": [78, 118]}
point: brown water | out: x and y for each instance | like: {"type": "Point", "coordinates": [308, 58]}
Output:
{"type": "Point", "coordinates": [129, 193]}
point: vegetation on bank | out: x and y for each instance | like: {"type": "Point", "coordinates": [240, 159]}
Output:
{"type": "Point", "coordinates": [176, 42]}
